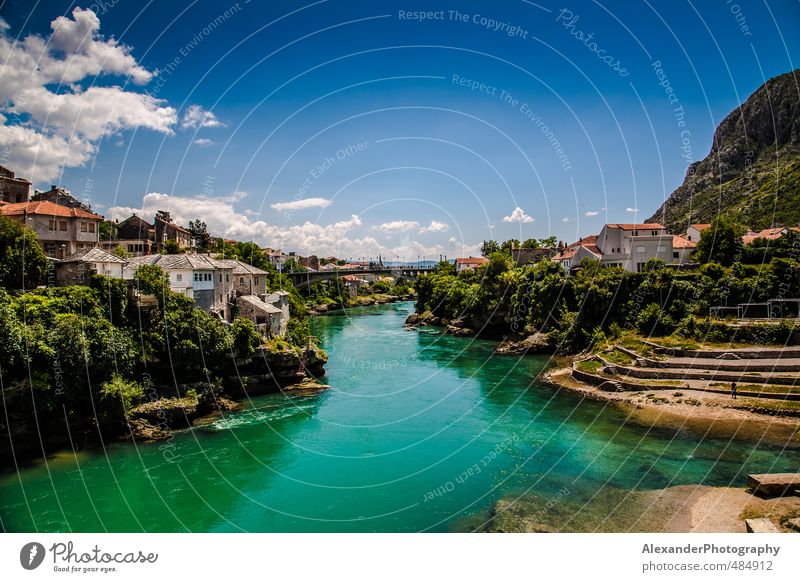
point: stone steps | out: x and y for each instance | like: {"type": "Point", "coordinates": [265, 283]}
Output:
{"type": "Point", "coordinates": [760, 525]}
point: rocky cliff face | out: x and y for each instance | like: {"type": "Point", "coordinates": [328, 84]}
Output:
{"type": "Point", "coordinates": [753, 168]}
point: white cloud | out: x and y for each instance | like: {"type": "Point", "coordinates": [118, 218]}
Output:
{"type": "Point", "coordinates": [629, 209]}
{"type": "Point", "coordinates": [592, 213]}
{"type": "Point", "coordinates": [202, 142]}
{"type": "Point", "coordinates": [397, 226]}
{"type": "Point", "coordinates": [518, 215]}
{"type": "Point", "coordinates": [435, 226]}
{"type": "Point", "coordinates": [566, 219]}
{"type": "Point", "coordinates": [63, 122]}
{"type": "Point", "coordinates": [195, 117]}
{"type": "Point", "coordinates": [345, 238]}
{"type": "Point", "coordinates": [301, 204]}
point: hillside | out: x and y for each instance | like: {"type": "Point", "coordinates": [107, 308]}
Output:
{"type": "Point", "coordinates": [753, 167]}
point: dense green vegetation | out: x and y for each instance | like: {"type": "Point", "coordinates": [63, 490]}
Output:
{"type": "Point", "coordinates": [596, 302]}
{"type": "Point", "coordinates": [23, 264]}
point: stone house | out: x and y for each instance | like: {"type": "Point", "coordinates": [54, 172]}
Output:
{"type": "Point", "coordinates": [136, 236]}
{"type": "Point", "coordinates": [79, 267]}
{"type": "Point", "coordinates": [62, 231]}
{"type": "Point", "coordinates": [247, 279]}
{"type": "Point", "coordinates": [12, 189]}
{"type": "Point", "coordinates": [61, 197]}
{"type": "Point", "coordinates": [353, 284]}
{"type": "Point", "coordinates": [522, 256]}
{"type": "Point", "coordinates": [267, 317]}
{"type": "Point", "coordinates": [167, 230]}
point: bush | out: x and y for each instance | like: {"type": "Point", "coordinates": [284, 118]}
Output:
{"type": "Point", "coordinates": [127, 392]}
{"type": "Point", "coordinates": [245, 337]}
{"type": "Point", "coordinates": [653, 321]}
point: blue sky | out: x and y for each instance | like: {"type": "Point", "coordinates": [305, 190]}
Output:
{"type": "Point", "coordinates": [359, 128]}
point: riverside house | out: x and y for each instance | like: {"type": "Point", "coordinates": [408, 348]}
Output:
{"type": "Point", "coordinates": [78, 268]}
{"type": "Point", "coordinates": [62, 230]}
{"type": "Point", "coordinates": [469, 263]}
{"type": "Point", "coordinates": [628, 246]}
{"type": "Point", "coordinates": [205, 280]}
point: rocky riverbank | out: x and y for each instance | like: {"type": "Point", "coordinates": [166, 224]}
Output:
{"type": "Point", "coordinates": [534, 343]}
{"type": "Point", "coordinates": [266, 372]}
{"type": "Point", "coordinates": [358, 301]}
{"type": "Point", "coordinates": [680, 509]}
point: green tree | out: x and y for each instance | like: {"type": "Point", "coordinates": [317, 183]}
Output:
{"type": "Point", "coordinates": [171, 247]}
{"type": "Point", "coordinates": [106, 230]}
{"type": "Point", "coordinates": [530, 243]}
{"type": "Point", "coordinates": [23, 264]}
{"type": "Point", "coordinates": [488, 247]}
{"type": "Point", "coordinates": [721, 243]}
{"type": "Point", "coordinates": [202, 238]}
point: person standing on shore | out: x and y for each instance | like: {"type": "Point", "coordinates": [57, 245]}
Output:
{"type": "Point", "coordinates": [733, 390]}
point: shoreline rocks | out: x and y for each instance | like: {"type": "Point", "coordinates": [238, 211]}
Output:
{"type": "Point", "coordinates": [536, 343]}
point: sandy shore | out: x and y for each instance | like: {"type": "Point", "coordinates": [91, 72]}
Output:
{"type": "Point", "coordinates": [703, 413]}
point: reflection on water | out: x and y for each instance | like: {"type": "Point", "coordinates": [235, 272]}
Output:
{"type": "Point", "coordinates": [420, 431]}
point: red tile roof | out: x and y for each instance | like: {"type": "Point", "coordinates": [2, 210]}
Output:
{"type": "Point", "coordinates": [700, 226]}
{"type": "Point", "coordinates": [681, 242]}
{"type": "Point", "coordinates": [46, 209]}
{"type": "Point", "coordinates": [472, 261]}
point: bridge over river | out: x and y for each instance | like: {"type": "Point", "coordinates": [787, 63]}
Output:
{"type": "Point", "coordinates": [303, 279]}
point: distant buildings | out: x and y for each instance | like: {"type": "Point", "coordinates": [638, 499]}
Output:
{"type": "Point", "coordinates": [61, 197]}
{"type": "Point", "coordinates": [13, 189]}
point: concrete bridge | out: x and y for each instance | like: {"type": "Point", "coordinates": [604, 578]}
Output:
{"type": "Point", "coordinates": [302, 279]}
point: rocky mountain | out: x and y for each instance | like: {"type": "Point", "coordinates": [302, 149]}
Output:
{"type": "Point", "coordinates": [753, 168]}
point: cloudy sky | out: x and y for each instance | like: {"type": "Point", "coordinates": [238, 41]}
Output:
{"type": "Point", "coordinates": [359, 129]}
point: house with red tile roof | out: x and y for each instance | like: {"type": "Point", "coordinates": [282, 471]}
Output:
{"type": "Point", "coordinates": [470, 263]}
{"type": "Point", "coordinates": [62, 230]}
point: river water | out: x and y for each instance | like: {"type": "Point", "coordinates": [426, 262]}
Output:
{"type": "Point", "coordinates": [419, 432]}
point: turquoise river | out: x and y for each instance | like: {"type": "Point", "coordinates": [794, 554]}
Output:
{"type": "Point", "coordinates": [419, 432]}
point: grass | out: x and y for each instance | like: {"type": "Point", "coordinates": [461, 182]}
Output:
{"type": "Point", "coordinates": [618, 357]}
{"type": "Point", "coordinates": [769, 388]}
{"type": "Point", "coordinates": [589, 366]}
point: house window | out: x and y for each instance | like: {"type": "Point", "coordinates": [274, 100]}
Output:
{"type": "Point", "coordinates": [241, 280]}
{"type": "Point", "coordinates": [640, 249]}
{"type": "Point", "coordinates": [197, 276]}
{"type": "Point", "coordinates": [654, 232]}
{"type": "Point", "coordinates": [227, 278]}
{"type": "Point", "coordinates": [220, 277]}
{"type": "Point", "coordinates": [635, 233]}
{"type": "Point", "coordinates": [84, 227]}
{"type": "Point", "coordinates": [62, 225]}
{"type": "Point", "coordinates": [255, 280]}
{"type": "Point", "coordinates": [51, 224]}
{"type": "Point", "coordinates": [179, 277]}
{"type": "Point", "coordinates": [208, 277]}
{"type": "Point", "coordinates": [91, 227]}
{"type": "Point", "coordinates": [675, 254]}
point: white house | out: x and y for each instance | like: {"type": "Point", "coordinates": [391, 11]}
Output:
{"type": "Point", "coordinates": [469, 263]}
{"type": "Point", "coordinates": [695, 230]}
{"type": "Point", "coordinates": [628, 246]}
